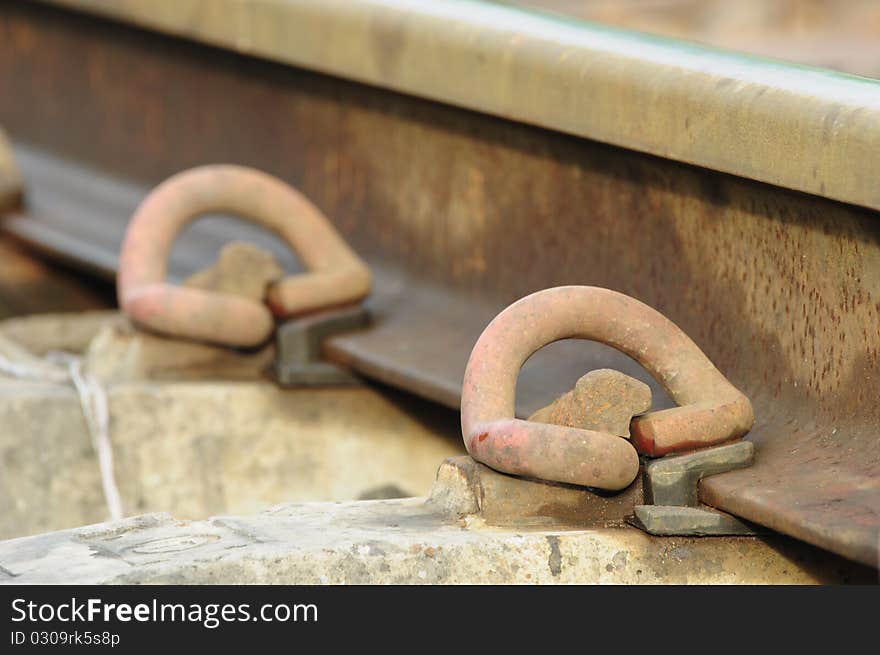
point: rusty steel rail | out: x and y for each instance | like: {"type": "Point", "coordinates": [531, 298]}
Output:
{"type": "Point", "coordinates": [335, 276]}
{"type": "Point", "coordinates": [726, 111]}
{"type": "Point", "coordinates": [712, 410]}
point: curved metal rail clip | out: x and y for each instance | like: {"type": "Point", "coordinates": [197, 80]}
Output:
{"type": "Point", "coordinates": [710, 411]}
{"type": "Point", "coordinates": [323, 300]}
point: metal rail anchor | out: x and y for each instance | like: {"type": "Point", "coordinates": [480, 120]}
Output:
{"type": "Point", "coordinates": [671, 487]}
{"type": "Point", "coordinates": [710, 411]}
{"type": "Point", "coordinates": [299, 340]}
{"type": "Point", "coordinates": [336, 276]}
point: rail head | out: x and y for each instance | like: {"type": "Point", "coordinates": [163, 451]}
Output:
{"type": "Point", "coordinates": [792, 126]}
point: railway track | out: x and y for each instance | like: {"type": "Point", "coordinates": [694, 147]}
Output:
{"type": "Point", "coordinates": [473, 157]}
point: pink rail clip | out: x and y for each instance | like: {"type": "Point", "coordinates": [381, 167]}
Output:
{"type": "Point", "coordinates": [335, 276]}
{"type": "Point", "coordinates": [711, 409]}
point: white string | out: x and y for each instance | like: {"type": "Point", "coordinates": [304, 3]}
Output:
{"type": "Point", "coordinates": [92, 399]}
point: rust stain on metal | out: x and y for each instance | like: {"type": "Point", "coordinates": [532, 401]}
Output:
{"type": "Point", "coordinates": [711, 409]}
{"type": "Point", "coordinates": [335, 275]}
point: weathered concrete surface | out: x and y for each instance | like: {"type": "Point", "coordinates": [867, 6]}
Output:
{"type": "Point", "coordinates": [197, 449]}
{"type": "Point", "coordinates": [15, 360]}
{"type": "Point", "coordinates": [603, 400]}
{"type": "Point", "coordinates": [119, 352]}
{"type": "Point", "coordinates": [40, 333]}
{"type": "Point", "coordinates": [466, 487]}
{"type": "Point", "coordinates": [398, 542]}
{"type": "Point", "coordinates": [115, 351]}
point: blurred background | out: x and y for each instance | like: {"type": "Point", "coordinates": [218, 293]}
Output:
{"type": "Point", "coordinates": [842, 35]}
